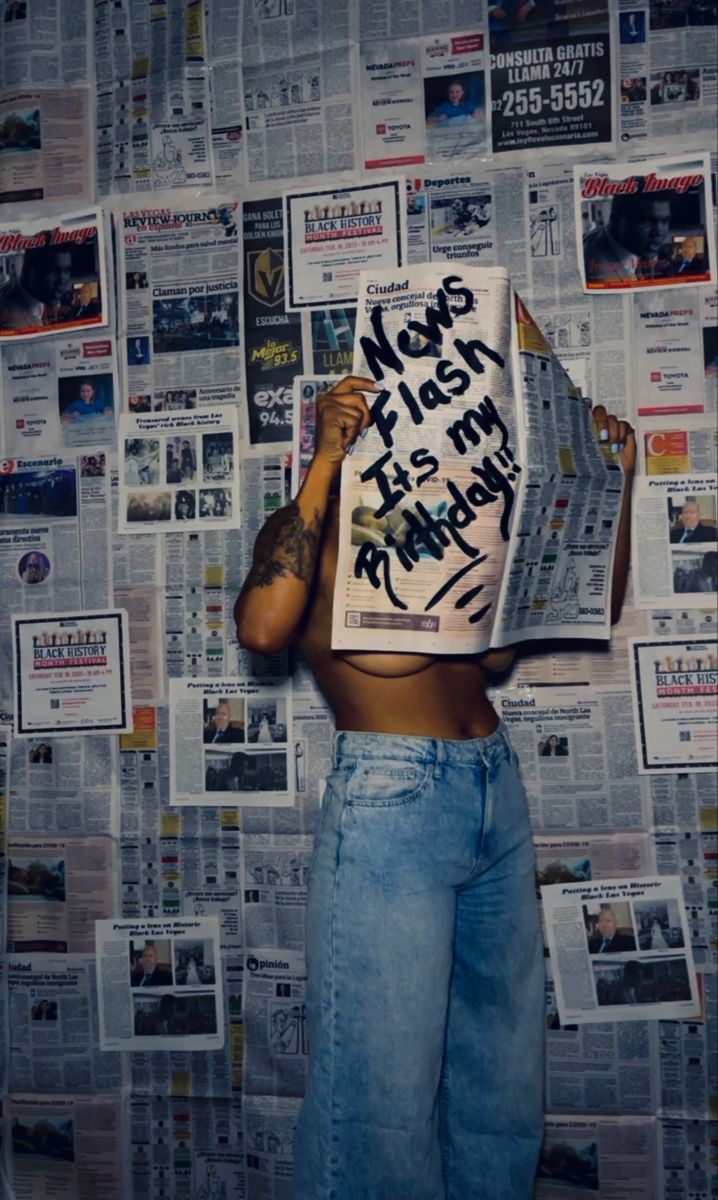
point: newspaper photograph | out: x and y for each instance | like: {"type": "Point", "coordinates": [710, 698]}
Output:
{"type": "Point", "coordinates": [306, 390]}
{"type": "Point", "coordinates": [67, 1145]}
{"type": "Point", "coordinates": [275, 1022]}
{"type": "Point", "coordinates": [179, 286]}
{"type": "Point", "coordinates": [272, 336]}
{"type": "Point", "coordinates": [551, 75]}
{"type": "Point", "coordinates": [620, 950]}
{"type": "Point", "coordinates": [59, 394]}
{"type": "Point", "coordinates": [231, 742]}
{"type": "Point", "coordinates": [674, 350]}
{"type": "Point", "coordinates": [332, 235]}
{"type": "Point", "coordinates": [453, 217]}
{"type": "Point", "coordinates": [160, 983]}
{"type": "Point", "coordinates": [675, 688]}
{"type": "Point", "coordinates": [641, 224]}
{"type": "Point", "coordinates": [615, 1158]}
{"type": "Point", "coordinates": [179, 471]}
{"type": "Point", "coordinates": [72, 673]}
{"type": "Point", "coordinates": [52, 277]}
{"type": "Point", "coordinates": [64, 785]}
{"type": "Point", "coordinates": [57, 888]}
{"type": "Point", "coordinates": [331, 332]}
{"type": "Point", "coordinates": [45, 145]}
{"type": "Point", "coordinates": [416, 485]}
{"type": "Point", "coordinates": [675, 540]}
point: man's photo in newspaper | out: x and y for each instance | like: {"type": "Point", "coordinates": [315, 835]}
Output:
{"type": "Point", "coordinates": [693, 536]}
{"type": "Point", "coordinates": [569, 1162]}
{"type": "Point", "coordinates": [217, 457]}
{"type": "Point", "coordinates": [246, 771]}
{"type": "Point", "coordinates": [51, 285]}
{"type": "Point", "coordinates": [609, 928]}
{"type": "Point", "coordinates": [33, 567]}
{"type": "Point", "coordinates": [151, 963]}
{"type": "Point", "coordinates": [44, 1136]}
{"type": "Point", "coordinates": [49, 493]}
{"type": "Point", "coordinates": [36, 878]}
{"type": "Point", "coordinates": [87, 408]}
{"type": "Point", "coordinates": [679, 14]}
{"type": "Point", "coordinates": [142, 461]}
{"type": "Point", "coordinates": [181, 459]}
{"type": "Point", "coordinates": [194, 962]}
{"type": "Point", "coordinates": [170, 401]}
{"type": "Point", "coordinates": [174, 1014]}
{"type": "Point", "coordinates": [645, 981]}
{"type": "Point", "coordinates": [215, 503]}
{"type": "Point", "coordinates": [224, 720]}
{"type": "Point", "coordinates": [195, 323]}
{"type": "Point", "coordinates": [149, 506]}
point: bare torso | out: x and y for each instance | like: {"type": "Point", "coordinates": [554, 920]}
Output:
{"type": "Point", "coordinates": [417, 694]}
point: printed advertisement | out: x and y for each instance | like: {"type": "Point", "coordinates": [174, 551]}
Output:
{"type": "Point", "coordinates": [330, 236]}
{"type": "Point", "coordinates": [231, 742]}
{"type": "Point", "coordinates": [675, 689]}
{"type": "Point", "coordinates": [179, 471]}
{"type": "Point", "coordinates": [640, 224]}
{"type": "Point", "coordinates": [52, 277]}
{"type": "Point", "coordinates": [675, 347]}
{"type": "Point", "coordinates": [45, 145]}
{"type": "Point", "coordinates": [306, 390]}
{"type": "Point", "coordinates": [160, 984]}
{"type": "Point", "coordinates": [550, 74]}
{"type": "Point", "coordinates": [72, 674]}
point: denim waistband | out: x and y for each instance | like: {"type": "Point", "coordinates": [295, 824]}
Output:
{"type": "Point", "coordinates": [401, 746]}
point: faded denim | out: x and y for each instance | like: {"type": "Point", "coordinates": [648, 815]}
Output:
{"type": "Point", "coordinates": [425, 1001]}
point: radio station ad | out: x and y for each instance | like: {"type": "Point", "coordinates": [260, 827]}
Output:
{"type": "Point", "coordinates": [160, 984]}
{"type": "Point", "coordinates": [330, 236]}
{"type": "Point", "coordinates": [72, 673]}
{"type": "Point", "coordinates": [620, 950]}
{"type": "Point", "coordinates": [675, 691]}
{"type": "Point", "coordinates": [231, 742]}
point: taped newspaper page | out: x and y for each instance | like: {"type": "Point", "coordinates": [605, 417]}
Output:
{"type": "Point", "coordinates": [675, 351]}
{"type": "Point", "coordinates": [52, 276]}
{"type": "Point", "coordinates": [231, 741]}
{"type": "Point", "coordinates": [59, 394]}
{"type": "Point", "coordinates": [551, 76]}
{"type": "Point", "coordinates": [675, 688]}
{"type": "Point", "coordinates": [160, 984]}
{"type": "Point", "coordinates": [331, 234]}
{"type": "Point", "coordinates": [677, 445]}
{"type": "Point", "coordinates": [179, 471]}
{"type": "Point", "coordinates": [45, 141]}
{"type": "Point", "coordinates": [57, 888]}
{"type": "Point", "coordinates": [306, 390]}
{"type": "Point", "coordinates": [620, 950]}
{"type": "Point", "coordinates": [615, 1157]}
{"type": "Point", "coordinates": [72, 673]}
{"type": "Point", "coordinates": [675, 539]}
{"type": "Point", "coordinates": [643, 224]}
{"type": "Point", "coordinates": [67, 1145]}
{"type": "Point", "coordinates": [511, 498]}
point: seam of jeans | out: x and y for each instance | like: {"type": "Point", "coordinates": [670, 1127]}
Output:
{"type": "Point", "coordinates": [333, 1194]}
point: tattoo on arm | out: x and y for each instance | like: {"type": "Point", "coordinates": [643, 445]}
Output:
{"type": "Point", "coordinates": [286, 546]}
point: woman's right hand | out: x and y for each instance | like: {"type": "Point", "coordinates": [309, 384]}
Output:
{"type": "Point", "coordinates": [342, 415]}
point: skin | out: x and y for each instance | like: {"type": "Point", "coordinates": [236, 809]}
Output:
{"type": "Point", "coordinates": [688, 249]}
{"type": "Point", "coordinates": [289, 591]}
{"type": "Point", "coordinates": [148, 959]}
{"type": "Point", "coordinates": [606, 923]}
{"type": "Point", "coordinates": [690, 514]}
{"type": "Point", "coordinates": [222, 717]}
{"type": "Point", "coordinates": [646, 229]}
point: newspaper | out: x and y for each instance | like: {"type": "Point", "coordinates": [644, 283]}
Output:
{"type": "Point", "coordinates": [685, 800]}
{"type": "Point", "coordinates": [674, 540]}
{"type": "Point", "coordinates": [210, 1162]}
{"type": "Point", "coordinates": [675, 693]}
{"type": "Point", "coordinates": [179, 470]}
{"type": "Point", "coordinates": [667, 69]}
{"type": "Point", "coordinates": [57, 889]}
{"type": "Point", "coordinates": [160, 980]}
{"type": "Point", "coordinates": [275, 1023]}
{"type": "Point", "coordinates": [52, 277]}
{"type": "Point", "coordinates": [614, 1157]}
{"type": "Point", "coordinates": [331, 333]}
{"type": "Point", "coordinates": [72, 674]}
{"type": "Point", "coordinates": [561, 61]}
{"type": "Point", "coordinates": [423, 100]}
{"type": "Point", "coordinates": [150, 63]}
{"type": "Point", "coordinates": [209, 718]}
{"type": "Point", "coordinates": [53, 1027]}
{"type": "Point", "coordinates": [143, 606]}
{"type": "Point", "coordinates": [64, 786]}
{"type": "Point", "coordinates": [269, 1126]}
{"type": "Point", "coordinates": [687, 1072]}
{"type": "Point", "coordinates": [65, 1146]}
{"type": "Point", "coordinates": [691, 853]}
{"type": "Point", "coordinates": [688, 1158]}
{"type": "Point", "coordinates": [223, 25]}
{"type": "Point", "coordinates": [42, 45]}
{"type": "Point", "coordinates": [620, 950]}
{"type": "Point", "coordinates": [272, 335]}
{"type": "Point", "coordinates": [299, 88]}
{"type": "Point", "coordinates": [578, 757]}
{"type": "Point", "coordinates": [54, 539]}
{"type": "Point", "coordinates": [540, 572]}
{"type": "Point", "coordinates": [45, 137]}
{"type": "Point", "coordinates": [306, 390]}
{"type": "Point", "coordinates": [675, 369]}
{"type": "Point", "coordinates": [681, 622]}
{"type": "Point", "coordinates": [454, 217]}
{"type": "Point", "coordinates": [179, 283]}
{"type": "Point", "coordinates": [592, 857]}
{"type": "Point", "coordinates": [645, 225]}
{"type": "Point", "coordinates": [331, 234]}
{"type": "Point", "coordinates": [60, 394]}
{"type": "Point", "coordinates": [677, 446]}
{"type": "Point", "coordinates": [275, 871]}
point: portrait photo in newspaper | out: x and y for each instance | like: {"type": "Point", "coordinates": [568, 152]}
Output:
{"type": "Point", "coordinates": [645, 225]}
{"type": "Point", "coordinates": [52, 278]}
{"type": "Point", "coordinates": [676, 559]}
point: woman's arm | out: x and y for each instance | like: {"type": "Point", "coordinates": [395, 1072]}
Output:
{"type": "Point", "coordinates": [620, 437]}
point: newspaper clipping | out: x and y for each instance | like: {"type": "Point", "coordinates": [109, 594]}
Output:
{"type": "Point", "coordinates": [52, 277]}
{"type": "Point", "coordinates": [45, 141]}
{"type": "Point", "coordinates": [160, 983]}
{"type": "Point", "coordinates": [72, 674]}
{"type": "Point", "coordinates": [332, 235]}
{"type": "Point", "coordinates": [231, 742]}
{"type": "Point", "coordinates": [675, 541]}
{"type": "Point", "coordinates": [645, 226]}
{"type": "Point", "coordinates": [620, 950]}
{"type": "Point", "coordinates": [64, 1146]}
{"type": "Point", "coordinates": [675, 686]}
{"type": "Point", "coordinates": [179, 471]}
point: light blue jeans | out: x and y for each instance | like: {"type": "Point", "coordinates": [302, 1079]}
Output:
{"type": "Point", "coordinates": [425, 995]}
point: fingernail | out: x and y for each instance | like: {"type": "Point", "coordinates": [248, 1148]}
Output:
{"type": "Point", "coordinates": [603, 435]}
{"type": "Point", "coordinates": [615, 447]}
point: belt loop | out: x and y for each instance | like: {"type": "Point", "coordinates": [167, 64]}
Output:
{"type": "Point", "coordinates": [336, 750]}
{"type": "Point", "coordinates": [440, 755]}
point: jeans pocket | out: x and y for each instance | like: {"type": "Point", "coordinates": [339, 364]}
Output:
{"type": "Point", "coordinates": [380, 783]}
